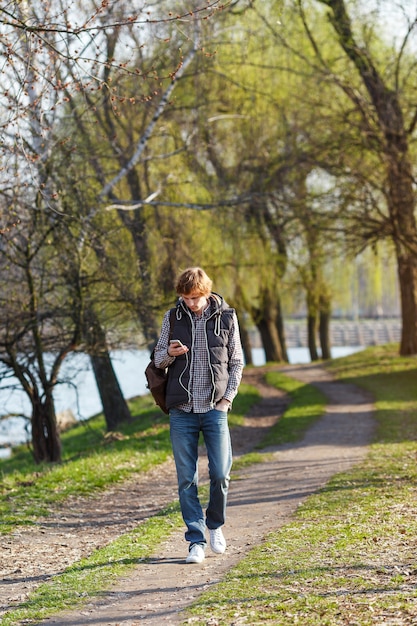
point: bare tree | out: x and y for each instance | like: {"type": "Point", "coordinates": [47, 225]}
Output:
{"type": "Point", "coordinates": [36, 334]}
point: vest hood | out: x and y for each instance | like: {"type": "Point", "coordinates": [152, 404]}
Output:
{"type": "Point", "coordinates": [217, 305]}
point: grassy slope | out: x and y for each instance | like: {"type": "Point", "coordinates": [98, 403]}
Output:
{"type": "Point", "coordinates": [349, 555]}
{"type": "Point", "coordinates": [92, 460]}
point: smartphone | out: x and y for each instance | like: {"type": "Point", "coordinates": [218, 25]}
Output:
{"type": "Point", "coordinates": [176, 342]}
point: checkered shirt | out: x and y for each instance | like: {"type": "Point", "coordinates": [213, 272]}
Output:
{"type": "Point", "coordinates": [201, 386]}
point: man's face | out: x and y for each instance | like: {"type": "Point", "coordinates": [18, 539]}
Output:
{"type": "Point", "coordinates": [195, 302]}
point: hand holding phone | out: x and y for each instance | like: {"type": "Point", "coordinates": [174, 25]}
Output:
{"type": "Point", "coordinates": [177, 348]}
{"type": "Point", "coordinates": [176, 343]}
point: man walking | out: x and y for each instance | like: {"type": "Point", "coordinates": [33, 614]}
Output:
{"type": "Point", "coordinates": [203, 352]}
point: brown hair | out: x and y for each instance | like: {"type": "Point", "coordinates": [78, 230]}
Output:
{"type": "Point", "coordinates": [193, 279]}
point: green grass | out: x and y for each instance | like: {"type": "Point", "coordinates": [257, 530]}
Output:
{"type": "Point", "coordinates": [307, 405]}
{"type": "Point", "coordinates": [349, 554]}
{"type": "Point", "coordinates": [82, 581]}
{"type": "Point", "coordinates": [92, 461]}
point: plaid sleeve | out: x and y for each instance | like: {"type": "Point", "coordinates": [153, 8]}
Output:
{"type": "Point", "coordinates": [162, 358]}
{"type": "Point", "coordinates": [236, 361]}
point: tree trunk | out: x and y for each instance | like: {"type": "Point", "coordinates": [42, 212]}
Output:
{"type": "Point", "coordinates": [324, 323]}
{"type": "Point", "coordinates": [311, 336]}
{"type": "Point", "coordinates": [115, 407]}
{"type": "Point", "coordinates": [324, 334]}
{"type": "Point", "coordinates": [407, 276]}
{"type": "Point", "coordinates": [45, 435]}
{"type": "Point", "coordinates": [401, 204]}
{"type": "Point", "coordinates": [246, 344]}
{"type": "Point", "coordinates": [265, 320]}
{"type": "Point", "coordinates": [281, 333]}
{"type": "Point", "coordinates": [270, 340]}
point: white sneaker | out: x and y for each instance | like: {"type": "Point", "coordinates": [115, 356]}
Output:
{"type": "Point", "coordinates": [196, 554]}
{"type": "Point", "coordinates": [217, 541]}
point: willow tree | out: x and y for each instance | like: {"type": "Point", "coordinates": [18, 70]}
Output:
{"type": "Point", "coordinates": [226, 120]}
{"type": "Point", "coordinates": [383, 109]}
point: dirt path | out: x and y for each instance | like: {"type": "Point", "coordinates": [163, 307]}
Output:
{"type": "Point", "coordinates": [261, 500]}
{"type": "Point", "coordinates": [32, 555]}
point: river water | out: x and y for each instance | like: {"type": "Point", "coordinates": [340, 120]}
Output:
{"type": "Point", "coordinates": [80, 395]}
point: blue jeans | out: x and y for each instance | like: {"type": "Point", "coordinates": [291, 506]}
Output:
{"type": "Point", "coordinates": [185, 430]}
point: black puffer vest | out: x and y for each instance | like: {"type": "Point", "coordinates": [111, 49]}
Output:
{"type": "Point", "coordinates": [218, 326]}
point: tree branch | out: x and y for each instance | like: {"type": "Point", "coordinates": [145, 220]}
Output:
{"type": "Point", "coordinates": [149, 130]}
